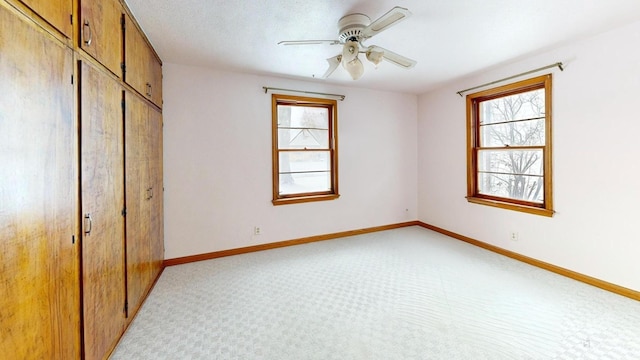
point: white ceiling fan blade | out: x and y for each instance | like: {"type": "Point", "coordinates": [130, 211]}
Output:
{"type": "Point", "coordinates": [333, 65]}
{"type": "Point", "coordinates": [392, 17]}
{"type": "Point", "coordinates": [309, 42]}
{"type": "Point", "coordinates": [390, 56]}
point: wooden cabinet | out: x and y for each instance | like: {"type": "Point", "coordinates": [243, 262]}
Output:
{"type": "Point", "coordinates": [74, 266]}
{"type": "Point", "coordinates": [102, 191]}
{"type": "Point", "coordinates": [39, 242]}
{"type": "Point", "coordinates": [143, 173]}
{"type": "Point", "coordinates": [101, 32]}
{"type": "Point", "coordinates": [143, 70]}
{"type": "Point", "coordinates": [58, 13]}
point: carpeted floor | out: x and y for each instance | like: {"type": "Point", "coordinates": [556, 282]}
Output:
{"type": "Point", "coordinates": [408, 293]}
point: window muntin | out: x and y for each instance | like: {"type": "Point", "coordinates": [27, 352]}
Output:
{"type": "Point", "coordinates": [509, 146]}
{"type": "Point", "coordinates": [304, 150]}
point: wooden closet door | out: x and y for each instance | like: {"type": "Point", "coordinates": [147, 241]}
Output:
{"type": "Point", "coordinates": [138, 196]}
{"type": "Point", "coordinates": [102, 181]}
{"type": "Point", "coordinates": [101, 32]}
{"type": "Point", "coordinates": [55, 12]}
{"type": "Point", "coordinates": [157, 201]}
{"type": "Point", "coordinates": [39, 267]}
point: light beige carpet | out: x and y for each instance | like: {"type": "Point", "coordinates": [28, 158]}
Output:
{"type": "Point", "coordinates": [407, 293]}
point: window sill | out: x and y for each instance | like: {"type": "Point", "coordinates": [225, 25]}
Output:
{"type": "Point", "coordinates": [302, 199]}
{"type": "Point", "coordinates": [511, 206]}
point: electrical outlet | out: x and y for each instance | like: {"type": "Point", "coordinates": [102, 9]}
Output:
{"type": "Point", "coordinates": [514, 236]}
{"type": "Point", "coordinates": [256, 230]}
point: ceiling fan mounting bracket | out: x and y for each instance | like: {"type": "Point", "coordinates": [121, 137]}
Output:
{"type": "Point", "coordinates": [351, 26]}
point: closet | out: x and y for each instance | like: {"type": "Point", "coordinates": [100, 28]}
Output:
{"type": "Point", "coordinates": [39, 252]}
{"type": "Point", "coordinates": [81, 192]}
{"type": "Point", "coordinates": [102, 186]}
{"type": "Point", "coordinates": [143, 127]}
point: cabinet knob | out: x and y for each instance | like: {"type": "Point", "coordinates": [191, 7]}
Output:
{"type": "Point", "coordinates": [88, 39]}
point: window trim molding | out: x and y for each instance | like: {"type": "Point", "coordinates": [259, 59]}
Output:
{"type": "Point", "coordinates": [472, 101]}
{"type": "Point", "coordinates": [279, 99]}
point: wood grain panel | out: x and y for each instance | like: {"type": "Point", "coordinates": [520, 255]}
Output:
{"type": "Point", "coordinates": [101, 32]}
{"type": "Point", "coordinates": [136, 58]}
{"type": "Point", "coordinates": [138, 196]}
{"type": "Point", "coordinates": [155, 76]}
{"type": "Point", "coordinates": [55, 12]}
{"type": "Point", "coordinates": [102, 180]}
{"type": "Point", "coordinates": [144, 71]}
{"type": "Point", "coordinates": [39, 264]}
{"type": "Point", "coordinates": [157, 202]}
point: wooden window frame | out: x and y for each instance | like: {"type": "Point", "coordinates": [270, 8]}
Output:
{"type": "Point", "coordinates": [473, 146]}
{"type": "Point", "coordinates": [332, 106]}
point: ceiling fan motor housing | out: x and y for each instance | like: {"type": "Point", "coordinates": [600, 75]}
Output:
{"type": "Point", "coordinates": [351, 26]}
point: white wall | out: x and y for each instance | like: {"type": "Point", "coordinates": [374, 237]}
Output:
{"type": "Point", "coordinates": [217, 162]}
{"type": "Point", "coordinates": [596, 175]}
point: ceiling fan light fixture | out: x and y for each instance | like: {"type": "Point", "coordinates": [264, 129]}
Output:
{"type": "Point", "coordinates": [355, 68]}
{"type": "Point", "coordinates": [350, 51]}
{"type": "Point", "coordinates": [374, 56]}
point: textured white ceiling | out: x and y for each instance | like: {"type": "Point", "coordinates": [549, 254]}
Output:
{"type": "Point", "coordinates": [448, 38]}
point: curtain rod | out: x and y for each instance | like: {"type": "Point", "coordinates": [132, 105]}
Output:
{"type": "Point", "coordinates": [267, 88]}
{"type": "Point", "coordinates": [558, 64]}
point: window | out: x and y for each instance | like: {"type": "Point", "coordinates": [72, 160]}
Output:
{"type": "Point", "coordinates": [509, 146]}
{"type": "Point", "coordinates": [305, 149]}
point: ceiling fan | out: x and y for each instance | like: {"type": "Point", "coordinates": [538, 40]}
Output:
{"type": "Point", "coordinates": [354, 30]}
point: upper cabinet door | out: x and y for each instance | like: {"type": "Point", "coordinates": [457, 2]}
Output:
{"type": "Point", "coordinates": [143, 69]}
{"type": "Point", "coordinates": [101, 32]}
{"type": "Point", "coordinates": [39, 247]}
{"type": "Point", "coordinates": [55, 12]}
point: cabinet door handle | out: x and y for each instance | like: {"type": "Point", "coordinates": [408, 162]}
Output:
{"type": "Point", "coordinates": [90, 38]}
{"type": "Point", "coordinates": [149, 89]}
{"type": "Point", "coordinates": [88, 224]}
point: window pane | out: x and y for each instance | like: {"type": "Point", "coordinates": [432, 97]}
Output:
{"type": "Point", "coordinates": [526, 105]}
{"type": "Point", "coordinates": [520, 187]}
{"type": "Point", "coordinates": [304, 149]}
{"type": "Point", "coordinates": [303, 117]}
{"type": "Point", "coordinates": [509, 148]}
{"type": "Point", "coordinates": [516, 162]}
{"type": "Point", "coordinates": [304, 161]}
{"type": "Point", "coordinates": [521, 133]}
{"type": "Point", "coordinates": [298, 183]}
{"type": "Point", "coordinates": [303, 139]}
